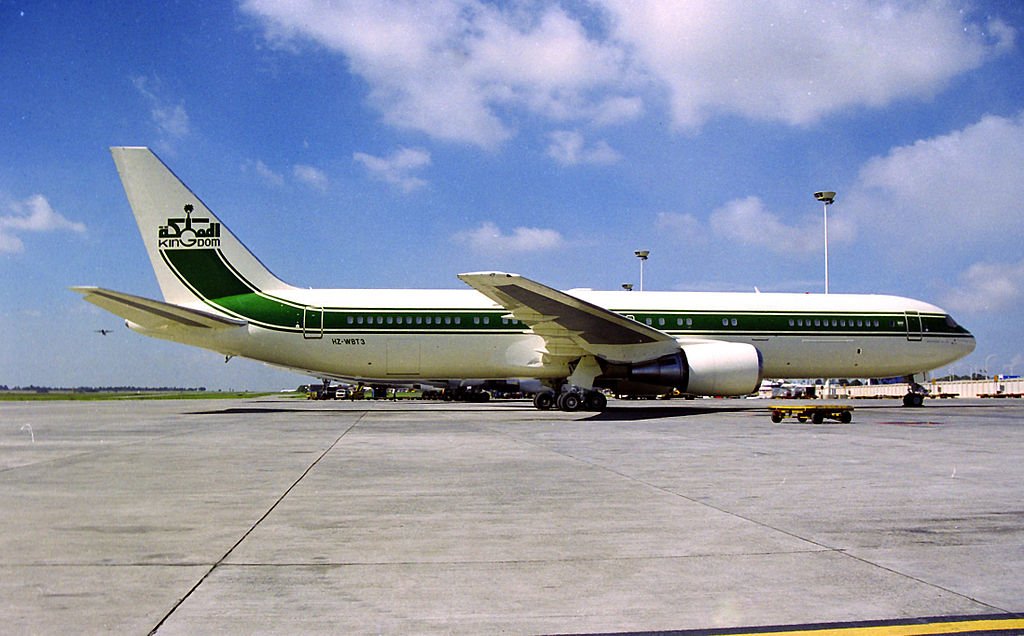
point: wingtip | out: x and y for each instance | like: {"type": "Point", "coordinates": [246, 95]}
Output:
{"type": "Point", "coordinates": [466, 275]}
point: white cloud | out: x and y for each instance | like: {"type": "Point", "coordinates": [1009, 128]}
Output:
{"type": "Point", "coordinates": [489, 238]}
{"type": "Point", "coordinates": [948, 194]}
{"type": "Point", "coordinates": [267, 174]}
{"type": "Point", "coordinates": [461, 70]}
{"type": "Point", "coordinates": [797, 61]}
{"type": "Point", "coordinates": [569, 148]}
{"type": "Point", "coordinates": [264, 172]}
{"type": "Point", "coordinates": [617, 109]}
{"type": "Point", "coordinates": [397, 168]}
{"type": "Point", "coordinates": [749, 222]}
{"type": "Point", "coordinates": [680, 225]}
{"type": "Point", "coordinates": [446, 67]}
{"type": "Point", "coordinates": [31, 215]}
{"type": "Point", "coordinates": [171, 119]}
{"type": "Point", "coordinates": [987, 287]}
{"type": "Point", "coordinates": [313, 177]}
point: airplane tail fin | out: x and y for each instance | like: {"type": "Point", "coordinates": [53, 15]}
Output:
{"type": "Point", "coordinates": [195, 257]}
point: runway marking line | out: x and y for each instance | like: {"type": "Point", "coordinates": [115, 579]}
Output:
{"type": "Point", "coordinates": [991, 624]}
{"type": "Point", "coordinates": [1000, 625]}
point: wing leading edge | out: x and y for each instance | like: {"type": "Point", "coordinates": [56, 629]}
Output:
{"type": "Point", "coordinates": [572, 327]}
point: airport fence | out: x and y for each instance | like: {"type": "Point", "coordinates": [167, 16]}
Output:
{"type": "Point", "coordinates": [993, 388]}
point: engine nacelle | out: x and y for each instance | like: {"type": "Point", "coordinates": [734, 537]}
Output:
{"type": "Point", "coordinates": [706, 368]}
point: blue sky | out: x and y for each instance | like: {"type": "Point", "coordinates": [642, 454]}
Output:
{"type": "Point", "coordinates": [396, 144]}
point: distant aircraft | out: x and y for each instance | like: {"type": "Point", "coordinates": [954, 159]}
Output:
{"type": "Point", "coordinates": [219, 296]}
{"type": "Point", "coordinates": [103, 332]}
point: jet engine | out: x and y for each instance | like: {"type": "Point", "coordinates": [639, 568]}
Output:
{"type": "Point", "coordinates": [706, 368]}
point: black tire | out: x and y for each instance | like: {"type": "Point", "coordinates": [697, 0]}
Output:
{"type": "Point", "coordinates": [776, 416]}
{"type": "Point", "coordinates": [569, 401]}
{"type": "Point", "coordinates": [846, 417]}
{"type": "Point", "coordinates": [913, 400]}
{"type": "Point", "coordinates": [544, 400]}
{"type": "Point", "coordinates": [818, 417]}
{"type": "Point", "coordinates": [595, 401]}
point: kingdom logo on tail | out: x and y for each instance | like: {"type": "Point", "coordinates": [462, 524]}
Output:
{"type": "Point", "coordinates": [219, 296]}
{"type": "Point", "coordinates": [179, 232]}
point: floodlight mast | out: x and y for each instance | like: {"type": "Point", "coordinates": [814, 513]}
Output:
{"type": "Point", "coordinates": [827, 198]}
{"type": "Point", "coordinates": [642, 255]}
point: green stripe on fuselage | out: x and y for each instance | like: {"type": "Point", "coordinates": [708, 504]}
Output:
{"type": "Point", "coordinates": [206, 273]}
{"type": "Point", "coordinates": [213, 279]}
{"type": "Point", "coordinates": [209, 276]}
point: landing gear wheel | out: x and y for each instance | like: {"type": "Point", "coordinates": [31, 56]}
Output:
{"type": "Point", "coordinates": [595, 401]}
{"type": "Point", "coordinates": [569, 401]}
{"type": "Point", "coordinates": [544, 400]}
{"type": "Point", "coordinates": [913, 399]}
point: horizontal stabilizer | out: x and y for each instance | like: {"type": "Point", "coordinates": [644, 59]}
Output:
{"type": "Point", "coordinates": [154, 314]}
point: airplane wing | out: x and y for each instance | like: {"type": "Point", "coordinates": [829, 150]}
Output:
{"type": "Point", "coordinates": [154, 314]}
{"type": "Point", "coordinates": [572, 327]}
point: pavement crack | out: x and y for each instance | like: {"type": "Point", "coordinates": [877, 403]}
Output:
{"type": "Point", "coordinates": [255, 525]}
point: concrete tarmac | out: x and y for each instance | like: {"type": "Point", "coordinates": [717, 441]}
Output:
{"type": "Point", "coordinates": [278, 515]}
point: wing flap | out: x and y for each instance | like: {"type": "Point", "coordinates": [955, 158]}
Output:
{"type": "Point", "coordinates": [154, 314]}
{"type": "Point", "coordinates": [571, 326]}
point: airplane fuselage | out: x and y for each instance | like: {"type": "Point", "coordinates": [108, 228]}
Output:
{"type": "Point", "coordinates": [409, 334]}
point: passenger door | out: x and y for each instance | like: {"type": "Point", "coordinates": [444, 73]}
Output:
{"type": "Point", "coordinates": [312, 322]}
{"type": "Point", "coordinates": [913, 326]}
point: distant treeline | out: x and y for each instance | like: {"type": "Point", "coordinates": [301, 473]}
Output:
{"type": "Point", "coordinates": [101, 389]}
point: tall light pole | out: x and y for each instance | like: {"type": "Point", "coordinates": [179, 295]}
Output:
{"type": "Point", "coordinates": [642, 255]}
{"type": "Point", "coordinates": [827, 199]}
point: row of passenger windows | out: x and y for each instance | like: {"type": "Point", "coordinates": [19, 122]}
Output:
{"type": "Point", "coordinates": [423, 320]}
{"type": "Point", "coordinates": [660, 322]}
{"type": "Point", "coordinates": [793, 322]}
{"type": "Point", "coordinates": [824, 322]}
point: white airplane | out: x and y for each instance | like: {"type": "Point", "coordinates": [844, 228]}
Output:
{"type": "Point", "coordinates": [217, 295]}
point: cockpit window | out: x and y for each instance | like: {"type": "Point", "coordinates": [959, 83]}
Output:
{"type": "Point", "coordinates": [950, 322]}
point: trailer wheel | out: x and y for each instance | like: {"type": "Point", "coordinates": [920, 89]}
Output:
{"type": "Point", "coordinates": [776, 416]}
{"type": "Point", "coordinates": [846, 417]}
{"type": "Point", "coordinates": [818, 417]}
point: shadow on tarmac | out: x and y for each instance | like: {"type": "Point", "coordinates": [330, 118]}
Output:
{"type": "Point", "coordinates": [633, 412]}
{"type": "Point", "coordinates": [619, 414]}
{"type": "Point", "coordinates": [611, 414]}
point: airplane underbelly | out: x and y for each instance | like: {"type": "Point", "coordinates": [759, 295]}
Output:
{"type": "Point", "coordinates": [870, 357]}
{"type": "Point", "coordinates": [407, 356]}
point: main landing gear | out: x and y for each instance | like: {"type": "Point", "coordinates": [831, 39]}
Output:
{"type": "Point", "coordinates": [573, 399]}
{"type": "Point", "coordinates": [915, 394]}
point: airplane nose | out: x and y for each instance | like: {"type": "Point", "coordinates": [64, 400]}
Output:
{"type": "Point", "coordinates": [967, 344]}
